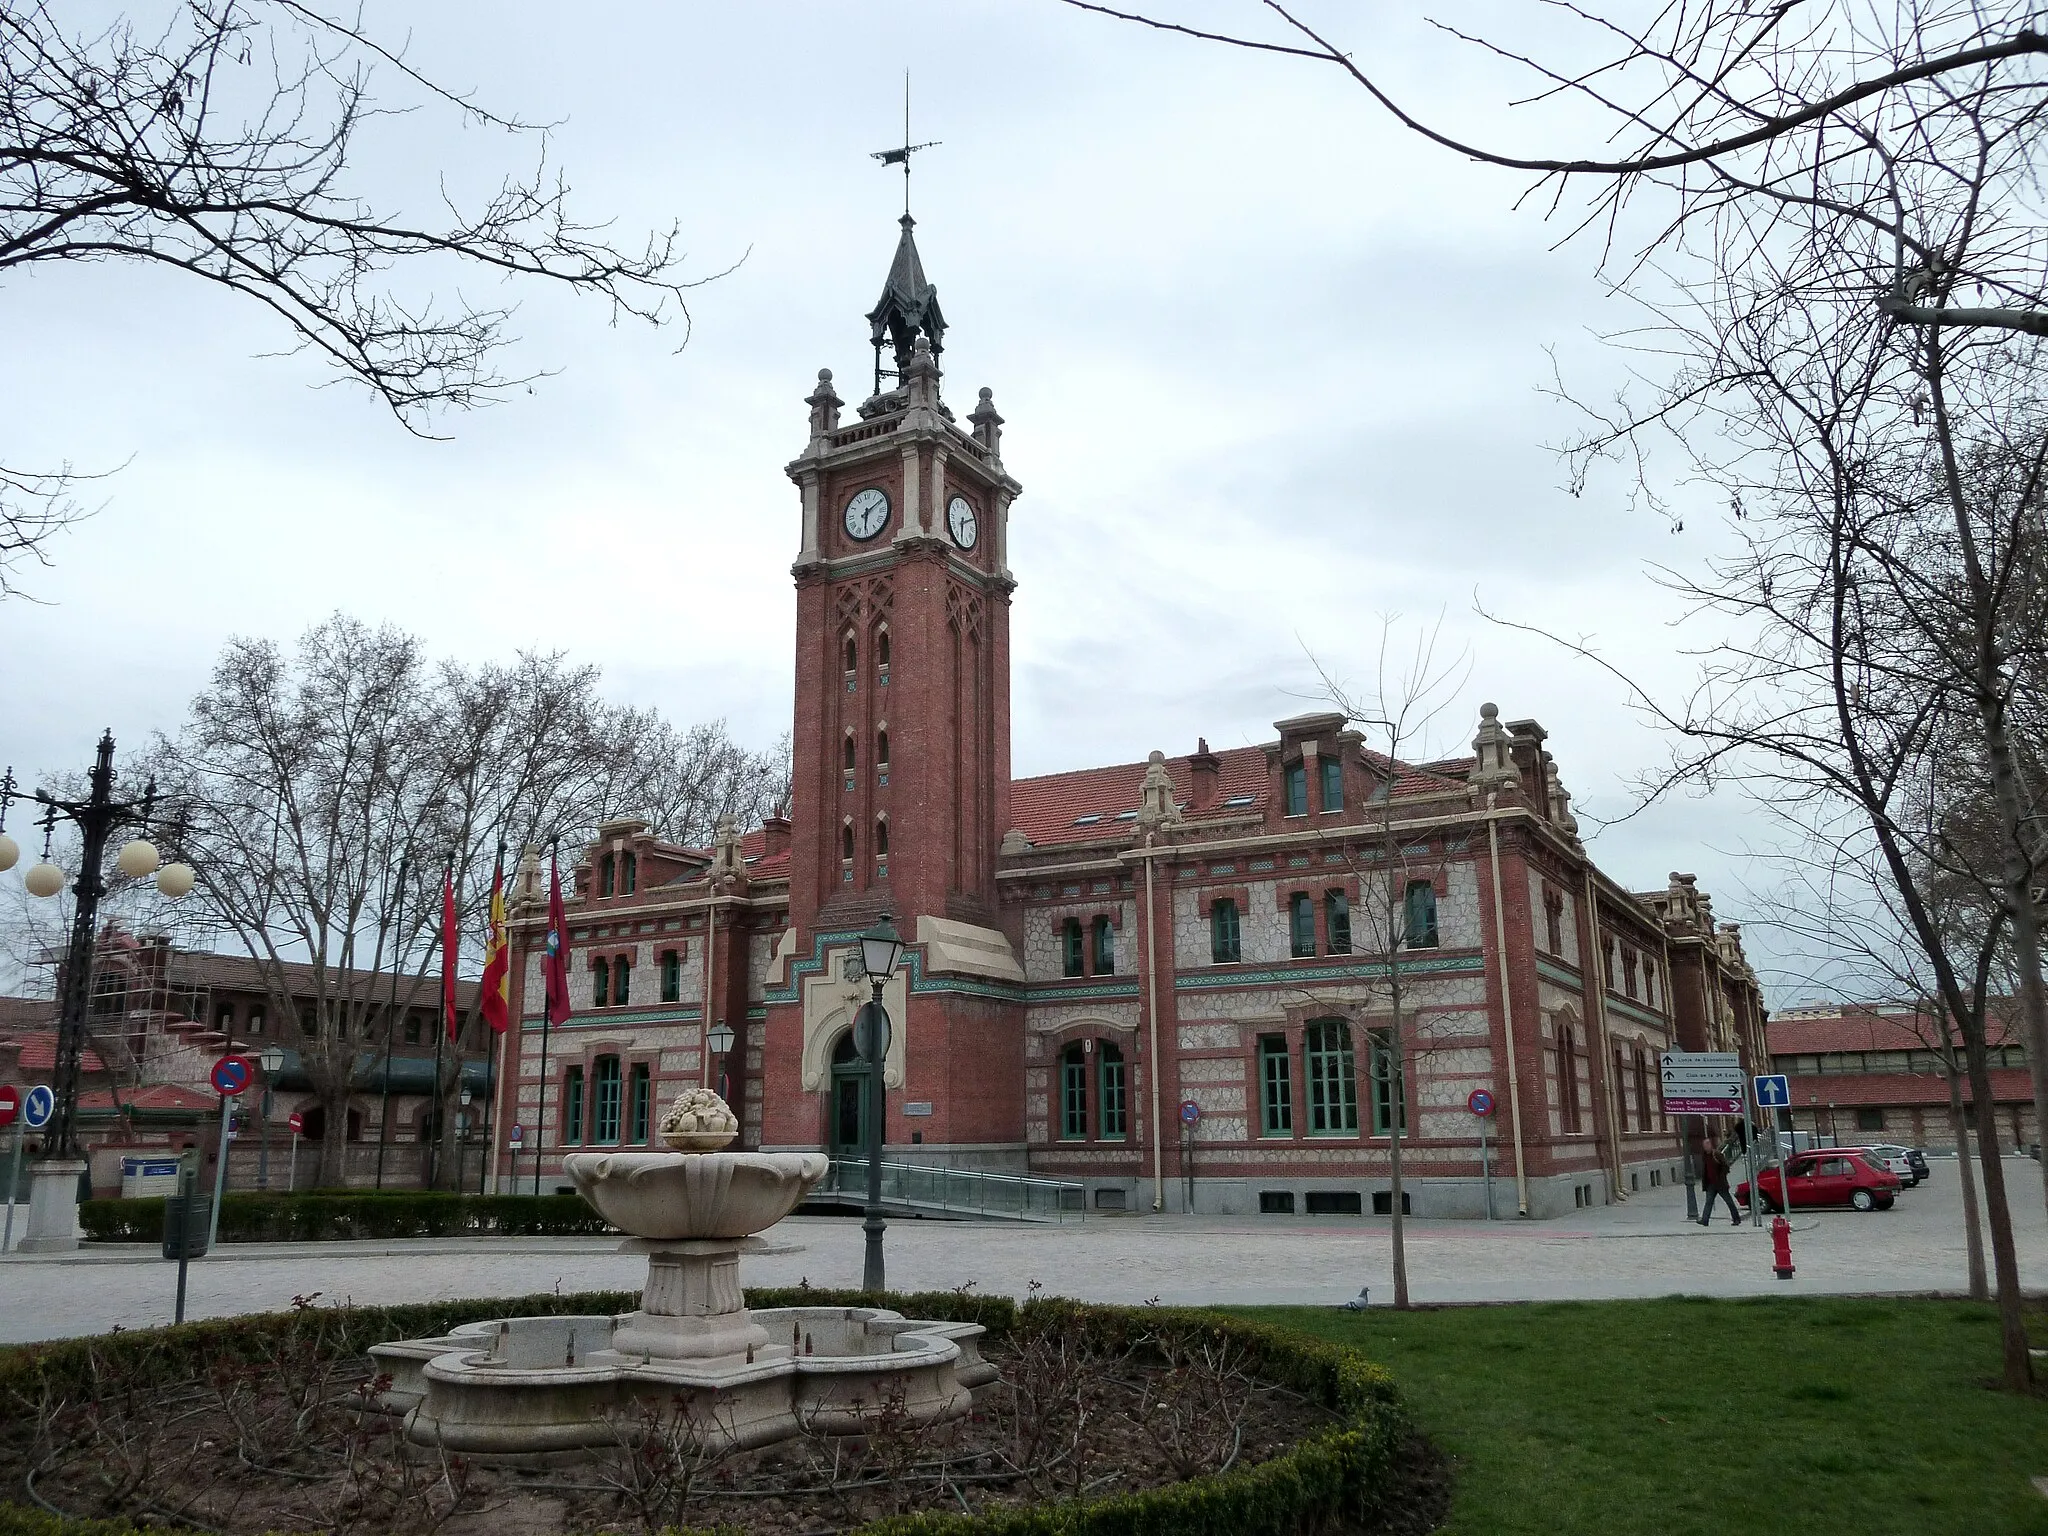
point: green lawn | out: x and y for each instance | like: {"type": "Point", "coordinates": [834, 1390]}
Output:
{"type": "Point", "coordinates": [1669, 1418]}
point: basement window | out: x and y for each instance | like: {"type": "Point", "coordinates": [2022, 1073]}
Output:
{"type": "Point", "coordinates": [1335, 1202]}
{"type": "Point", "coordinates": [1276, 1202]}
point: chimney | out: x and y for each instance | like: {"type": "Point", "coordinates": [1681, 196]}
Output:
{"type": "Point", "coordinates": [775, 835]}
{"type": "Point", "coordinates": [1205, 772]}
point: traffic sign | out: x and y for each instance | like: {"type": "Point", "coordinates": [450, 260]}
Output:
{"type": "Point", "coordinates": [1190, 1112]}
{"type": "Point", "coordinates": [37, 1105]}
{"type": "Point", "coordinates": [10, 1103]}
{"type": "Point", "coordinates": [1703, 1104]}
{"type": "Point", "coordinates": [1480, 1102]}
{"type": "Point", "coordinates": [232, 1075]}
{"type": "Point", "coordinates": [518, 1134]}
{"type": "Point", "coordinates": [1773, 1092]}
{"type": "Point", "coordinates": [297, 1122]}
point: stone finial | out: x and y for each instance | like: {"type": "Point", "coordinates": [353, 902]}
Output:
{"type": "Point", "coordinates": [727, 866]}
{"type": "Point", "coordinates": [1492, 770]}
{"type": "Point", "coordinates": [824, 402]}
{"type": "Point", "coordinates": [988, 426]}
{"type": "Point", "coordinates": [1560, 800]}
{"type": "Point", "coordinates": [921, 376]}
{"type": "Point", "coordinates": [1014, 842]}
{"type": "Point", "coordinates": [699, 1121]}
{"type": "Point", "coordinates": [527, 891]}
{"type": "Point", "coordinates": [1158, 808]}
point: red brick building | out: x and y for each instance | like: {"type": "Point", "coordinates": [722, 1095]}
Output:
{"type": "Point", "coordinates": [1092, 952]}
{"type": "Point", "coordinates": [1868, 1072]}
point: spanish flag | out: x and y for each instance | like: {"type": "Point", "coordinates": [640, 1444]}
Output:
{"type": "Point", "coordinates": [495, 999]}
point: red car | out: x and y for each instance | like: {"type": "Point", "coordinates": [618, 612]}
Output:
{"type": "Point", "coordinates": [1829, 1176]}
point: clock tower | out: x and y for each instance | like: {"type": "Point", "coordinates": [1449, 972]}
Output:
{"type": "Point", "coordinates": [902, 737]}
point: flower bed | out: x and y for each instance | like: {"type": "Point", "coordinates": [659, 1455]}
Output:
{"type": "Point", "coordinates": [1138, 1420]}
{"type": "Point", "coordinates": [254, 1218]}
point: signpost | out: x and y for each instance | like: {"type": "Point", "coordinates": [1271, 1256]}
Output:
{"type": "Point", "coordinates": [1774, 1092]}
{"type": "Point", "coordinates": [1190, 1113]}
{"type": "Point", "coordinates": [231, 1076]}
{"type": "Point", "coordinates": [10, 1107]}
{"type": "Point", "coordinates": [1699, 1083]}
{"type": "Point", "coordinates": [297, 1124]}
{"type": "Point", "coordinates": [1480, 1102]}
{"type": "Point", "coordinates": [37, 1105]}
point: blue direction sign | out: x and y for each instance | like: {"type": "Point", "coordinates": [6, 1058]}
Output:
{"type": "Point", "coordinates": [1773, 1092]}
{"type": "Point", "coordinates": [37, 1105]}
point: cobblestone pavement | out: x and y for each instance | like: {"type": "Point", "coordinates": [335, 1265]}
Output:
{"type": "Point", "coordinates": [1641, 1248]}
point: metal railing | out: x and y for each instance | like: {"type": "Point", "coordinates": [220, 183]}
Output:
{"type": "Point", "coordinates": [961, 1191]}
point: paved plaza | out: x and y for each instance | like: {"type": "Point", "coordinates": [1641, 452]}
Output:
{"type": "Point", "coordinates": [1641, 1248]}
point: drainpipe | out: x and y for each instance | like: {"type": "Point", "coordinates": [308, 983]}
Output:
{"type": "Point", "coordinates": [1507, 1007]}
{"type": "Point", "coordinates": [1152, 1023]}
{"type": "Point", "coordinates": [1595, 973]}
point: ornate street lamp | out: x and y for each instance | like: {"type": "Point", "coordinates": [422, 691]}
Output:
{"type": "Point", "coordinates": [881, 950]}
{"type": "Point", "coordinates": [720, 1040]}
{"type": "Point", "coordinates": [98, 817]}
{"type": "Point", "coordinates": [271, 1060]}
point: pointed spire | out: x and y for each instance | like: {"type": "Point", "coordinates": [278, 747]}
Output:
{"type": "Point", "coordinates": [909, 305]}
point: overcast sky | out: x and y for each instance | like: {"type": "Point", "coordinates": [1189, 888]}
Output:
{"type": "Point", "coordinates": [1271, 369]}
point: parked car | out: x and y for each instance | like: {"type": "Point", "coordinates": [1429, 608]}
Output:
{"type": "Point", "coordinates": [1899, 1160]}
{"type": "Point", "coordinates": [1832, 1176]}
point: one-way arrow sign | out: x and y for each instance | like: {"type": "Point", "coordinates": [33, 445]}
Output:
{"type": "Point", "coordinates": [1773, 1092]}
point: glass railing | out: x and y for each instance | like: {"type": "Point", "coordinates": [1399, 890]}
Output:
{"type": "Point", "coordinates": [963, 1191]}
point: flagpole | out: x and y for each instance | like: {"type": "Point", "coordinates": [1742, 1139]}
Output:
{"type": "Point", "coordinates": [547, 1014]}
{"type": "Point", "coordinates": [447, 1021]}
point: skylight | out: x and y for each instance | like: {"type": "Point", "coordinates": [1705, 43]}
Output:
{"type": "Point", "coordinates": [1237, 800]}
{"type": "Point", "coordinates": [1089, 820]}
{"type": "Point", "coordinates": [1126, 815]}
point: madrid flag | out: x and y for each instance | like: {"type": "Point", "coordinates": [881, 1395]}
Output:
{"type": "Point", "coordinates": [554, 965]}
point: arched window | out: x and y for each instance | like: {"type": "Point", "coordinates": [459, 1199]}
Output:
{"type": "Point", "coordinates": [600, 982]}
{"type": "Point", "coordinates": [882, 748]}
{"type": "Point", "coordinates": [1620, 1071]}
{"type": "Point", "coordinates": [1109, 1094]}
{"type": "Point", "coordinates": [622, 981]}
{"type": "Point", "coordinates": [1073, 1093]}
{"type": "Point", "coordinates": [846, 842]}
{"type": "Point", "coordinates": [605, 873]}
{"type": "Point", "coordinates": [1223, 932]}
{"type": "Point", "coordinates": [631, 880]}
{"type": "Point", "coordinates": [881, 837]}
{"type": "Point", "coordinates": [1105, 947]}
{"type": "Point", "coordinates": [852, 655]}
{"type": "Point", "coordinates": [1567, 1080]}
{"type": "Point", "coordinates": [1418, 925]}
{"type": "Point", "coordinates": [671, 976]}
{"type": "Point", "coordinates": [604, 1109]}
{"type": "Point", "coordinates": [1332, 1083]}
{"type": "Point", "coordinates": [882, 646]}
{"type": "Point", "coordinates": [1642, 1088]}
{"type": "Point", "coordinates": [846, 754]}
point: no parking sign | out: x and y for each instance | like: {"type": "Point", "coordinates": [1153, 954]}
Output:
{"type": "Point", "coordinates": [232, 1075]}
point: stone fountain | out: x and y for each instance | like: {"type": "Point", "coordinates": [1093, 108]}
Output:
{"type": "Point", "coordinates": [524, 1385]}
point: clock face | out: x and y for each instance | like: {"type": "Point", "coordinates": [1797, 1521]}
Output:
{"type": "Point", "coordinates": [960, 522]}
{"type": "Point", "coordinates": [867, 513]}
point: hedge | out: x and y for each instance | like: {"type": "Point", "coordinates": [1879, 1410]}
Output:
{"type": "Point", "coordinates": [1335, 1477]}
{"type": "Point", "coordinates": [265, 1218]}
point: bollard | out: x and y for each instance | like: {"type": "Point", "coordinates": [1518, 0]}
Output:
{"type": "Point", "coordinates": [1781, 1247]}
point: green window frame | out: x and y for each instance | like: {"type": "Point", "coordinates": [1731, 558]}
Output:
{"type": "Point", "coordinates": [1294, 789]}
{"type": "Point", "coordinates": [1072, 954]}
{"type": "Point", "coordinates": [640, 1104]}
{"type": "Point", "coordinates": [572, 1107]}
{"type": "Point", "coordinates": [1301, 926]}
{"type": "Point", "coordinates": [671, 976]}
{"type": "Point", "coordinates": [604, 1107]}
{"type": "Point", "coordinates": [1332, 1079]}
{"type": "Point", "coordinates": [622, 981]}
{"type": "Point", "coordinates": [605, 875]}
{"type": "Point", "coordinates": [1224, 937]}
{"type": "Point", "coordinates": [1073, 1094]}
{"type": "Point", "coordinates": [1418, 925]}
{"type": "Point", "coordinates": [1332, 770]}
{"type": "Point", "coordinates": [600, 983]}
{"type": "Point", "coordinates": [631, 874]}
{"type": "Point", "coordinates": [1276, 1087]}
{"type": "Point", "coordinates": [1337, 921]}
{"type": "Point", "coordinates": [1110, 1098]}
{"type": "Point", "coordinates": [1389, 1088]}
{"type": "Point", "coordinates": [1105, 947]}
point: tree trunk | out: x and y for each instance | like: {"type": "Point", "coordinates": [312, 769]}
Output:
{"type": "Point", "coordinates": [2012, 1327]}
{"type": "Point", "coordinates": [332, 1169]}
{"type": "Point", "coordinates": [1399, 1067]}
{"type": "Point", "coordinates": [1980, 1289]}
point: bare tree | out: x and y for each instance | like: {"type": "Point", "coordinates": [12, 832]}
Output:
{"type": "Point", "coordinates": [217, 138]}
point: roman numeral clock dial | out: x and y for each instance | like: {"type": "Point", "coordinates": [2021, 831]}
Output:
{"type": "Point", "coordinates": [867, 513]}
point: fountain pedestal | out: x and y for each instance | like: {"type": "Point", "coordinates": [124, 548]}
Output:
{"type": "Point", "coordinates": [692, 1307]}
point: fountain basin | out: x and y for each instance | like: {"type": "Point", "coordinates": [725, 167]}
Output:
{"type": "Point", "coordinates": [682, 1195]}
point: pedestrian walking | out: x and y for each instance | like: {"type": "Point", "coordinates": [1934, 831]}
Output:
{"type": "Point", "coordinates": [1714, 1178]}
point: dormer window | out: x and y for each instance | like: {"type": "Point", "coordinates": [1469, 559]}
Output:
{"type": "Point", "coordinates": [629, 873]}
{"type": "Point", "coordinates": [1294, 789]}
{"type": "Point", "coordinates": [607, 875]}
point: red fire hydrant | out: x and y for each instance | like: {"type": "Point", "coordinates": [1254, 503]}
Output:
{"type": "Point", "coordinates": [1781, 1247]}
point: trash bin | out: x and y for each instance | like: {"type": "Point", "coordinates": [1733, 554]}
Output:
{"type": "Point", "coordinates": [185, 1222]}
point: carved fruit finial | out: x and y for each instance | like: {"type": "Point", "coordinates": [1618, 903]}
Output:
{"type": "Point", "coordinates": [699, 1121]}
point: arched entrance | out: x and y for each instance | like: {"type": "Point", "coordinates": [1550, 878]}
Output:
{"type": "Point", "coordinates": [847, 1108]}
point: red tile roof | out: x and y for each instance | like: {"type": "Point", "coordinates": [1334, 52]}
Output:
{"type": "Point", "coordinates": [1865, 1029]}
{"type": "Point", "coordinates": [39, 1053]}
{"type": "Point", "coordinates": [158, 1097]}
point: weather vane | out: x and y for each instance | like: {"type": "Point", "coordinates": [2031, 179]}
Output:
{"type": "Point", "coordinates": [902, 156]}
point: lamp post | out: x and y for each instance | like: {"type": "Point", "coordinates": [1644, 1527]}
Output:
{"type": "Point", "coordinates": [271, 1060]}
{"type": "Point", "coordinates": [98, 817]}
{"type": "Point", "coordinates": [720, 1040]}
{"type": "Point", "coordinates": [881, 949]}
